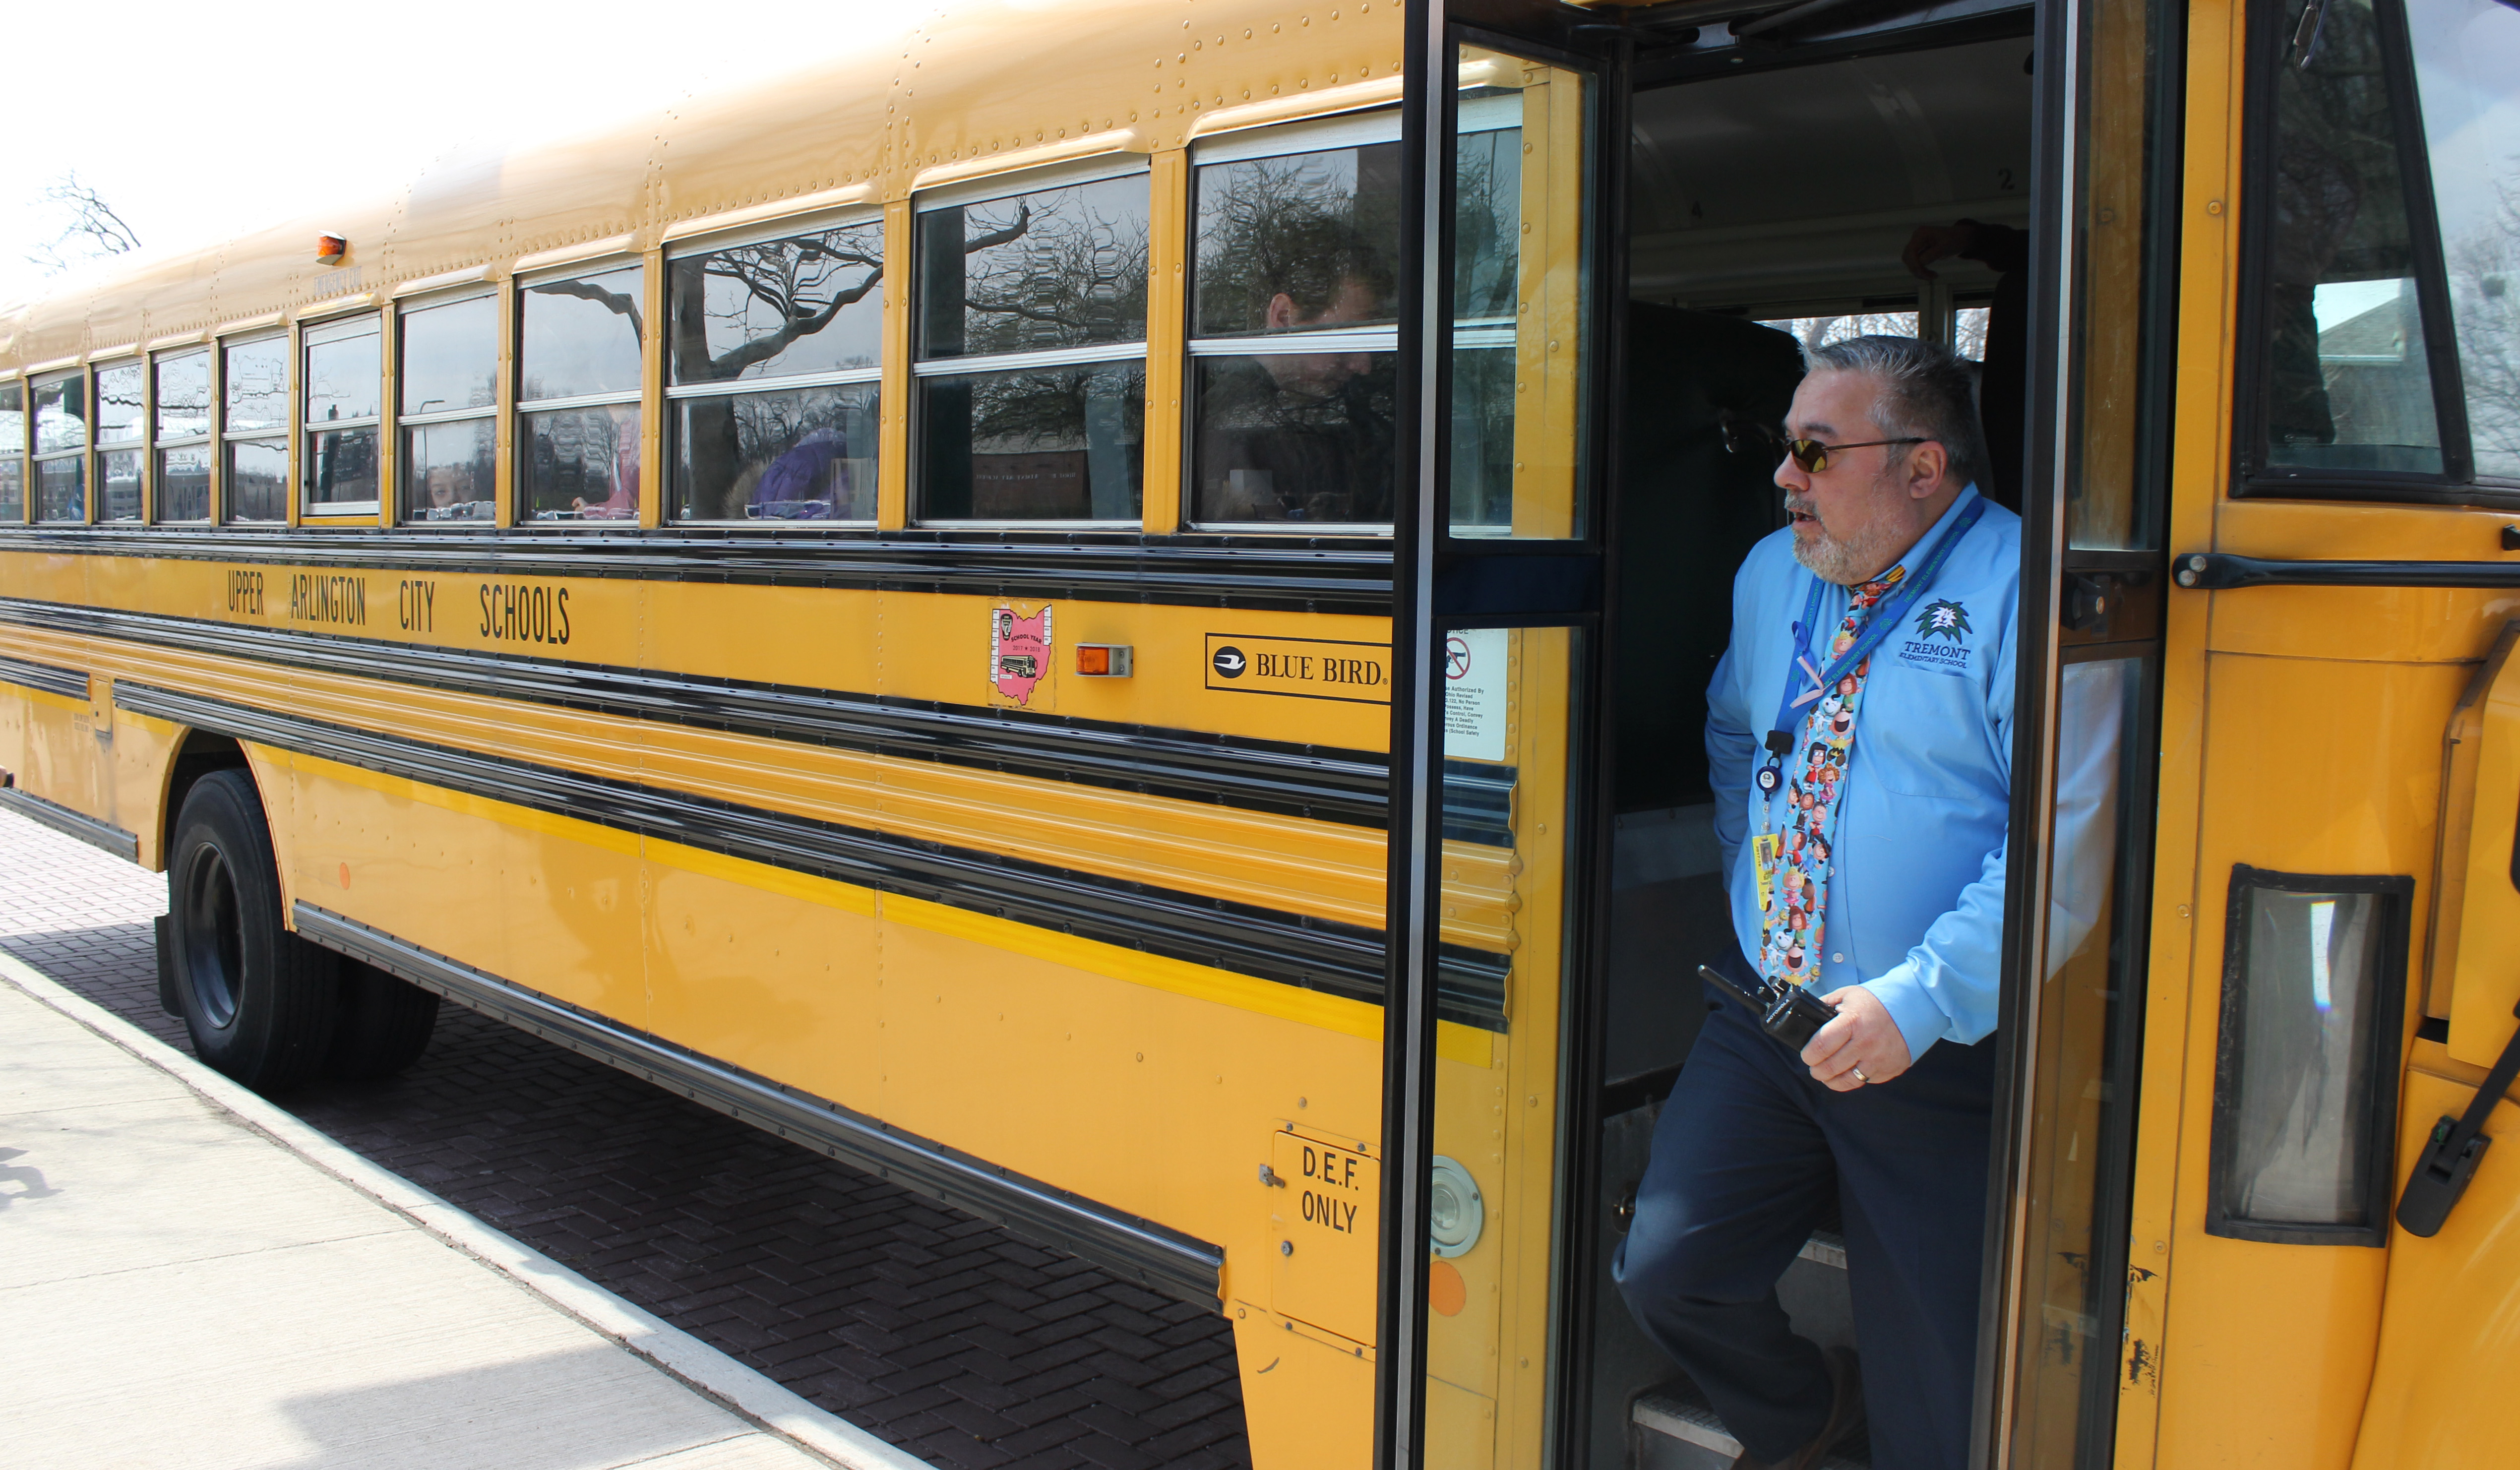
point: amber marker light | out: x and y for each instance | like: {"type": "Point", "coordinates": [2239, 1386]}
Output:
{"type": "Point", "coordinates": [330, 249]}
{"type": "Point", "coordinates": [1102, 661]}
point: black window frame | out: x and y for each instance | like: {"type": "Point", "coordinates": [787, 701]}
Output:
{"type": "Point", "coordinates": [2396, 893]}
{"type": "Point", "coordinates": [17, 453]}
{"type": "Point", "coordinates": [85, 454]}
{"type": "Point", "coordinates": [679, 392]}
{"type": "Point", "coordinates": [161, 443]}
{"type": "Point", "coordinates": [224, 497]}
{"type": "Point", "coordinates": [522, 411]}
{"type": "Point", "coordinates": [2270, 46]}
{"type": "Point", "coordinates": [1291, 137]}
{"type": "Point", "coordinates": [402, 424]}
{"type": "Point", "coordinates": [986, 189]}
{"type": "Point", "coordinates": [137, 445]}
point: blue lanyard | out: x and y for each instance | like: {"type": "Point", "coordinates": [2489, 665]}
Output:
{"type": "Point", "coordinates": [1888, 615]}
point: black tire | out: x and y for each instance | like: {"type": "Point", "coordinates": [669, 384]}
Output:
{"type": "Point", "coordinates": [382, 1026]}
{"type": "Point", "coordinates": [258, 1000]}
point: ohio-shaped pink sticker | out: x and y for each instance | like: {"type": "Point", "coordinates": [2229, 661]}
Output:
{"type": "Point", "coordinates": [1019, 651]}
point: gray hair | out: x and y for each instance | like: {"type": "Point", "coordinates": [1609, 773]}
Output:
{"type": "Point", "coordinates": [1926, 393]}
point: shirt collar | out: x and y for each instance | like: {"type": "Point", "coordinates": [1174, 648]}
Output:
{"type": "Point", "coordinates": [1960, 502]}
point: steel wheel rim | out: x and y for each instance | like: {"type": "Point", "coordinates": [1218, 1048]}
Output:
{"type": "Point", "coordinates": [213, 937]}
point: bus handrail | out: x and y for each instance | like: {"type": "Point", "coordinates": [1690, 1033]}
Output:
{"type": "Point", "coordinates": [2221, 571]}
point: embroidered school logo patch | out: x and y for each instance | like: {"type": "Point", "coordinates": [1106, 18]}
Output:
{"type": "Point", "coordinates": [1943, 619]}
{"type": "Point", "coordinates": [1941, 642]}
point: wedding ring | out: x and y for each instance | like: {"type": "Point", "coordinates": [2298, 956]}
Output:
{"type": "Point", "coordinates": [1860, 1077]}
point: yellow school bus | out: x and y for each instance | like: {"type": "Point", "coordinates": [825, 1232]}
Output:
{"type": "Point", "coordinates": [1102, 610]}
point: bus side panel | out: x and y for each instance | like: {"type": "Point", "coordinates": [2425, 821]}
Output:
{"type": "Point", "coordinates": [544, 902]}
{"type": "Point", "coordinates": [2449, 1343]}
{"type": "Point", "coordinates": [1307, 1403]}
{"type": "Point", "coordinates": [2268, 1348]}
{"type": "Point", "coordinates": [773, 972]}
{"type": "Point", "coordinates": [55, 753]}
{"type": "Point", "coordinates": [1156, 1102]}
{"type": "Point", "coordinates": [933, 645]}
{"type": "Point", "coordinates": [144, 762]}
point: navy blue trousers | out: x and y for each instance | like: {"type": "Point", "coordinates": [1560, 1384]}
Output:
{"type": "Point", "coordinates": [1745, 1157]}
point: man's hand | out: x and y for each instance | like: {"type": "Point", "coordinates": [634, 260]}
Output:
{"type": "Point", "coordinates": [1862, 1035]}
{"type": "Point", "coordinates": [1930, 246]}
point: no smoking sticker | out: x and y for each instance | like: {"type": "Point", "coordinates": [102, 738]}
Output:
{"type": "Point", "coordinates": [1474, 703]}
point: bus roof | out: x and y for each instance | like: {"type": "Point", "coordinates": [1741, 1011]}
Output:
{"type": "Point", "coordinates": [983, 88]}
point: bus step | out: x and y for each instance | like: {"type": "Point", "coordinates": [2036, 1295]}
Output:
{"type": "Point", "coordinates": [1670, 1428]}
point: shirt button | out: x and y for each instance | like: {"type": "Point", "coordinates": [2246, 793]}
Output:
{"type": "Point", "coordinates": [1837, 960]}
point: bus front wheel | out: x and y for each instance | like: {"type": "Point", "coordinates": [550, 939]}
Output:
{"type": "Point", "coordinates": [258, 1002]}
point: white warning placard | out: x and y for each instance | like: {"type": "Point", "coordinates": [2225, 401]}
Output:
{"type": "Point", "coordinates": [1475, 694]}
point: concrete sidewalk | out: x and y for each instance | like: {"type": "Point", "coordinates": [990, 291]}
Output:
{"type": "Point", "coordinates": [191, 1276]}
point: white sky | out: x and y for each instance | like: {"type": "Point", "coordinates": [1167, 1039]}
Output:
{"type": "Point", "coordinates": [200, 120]}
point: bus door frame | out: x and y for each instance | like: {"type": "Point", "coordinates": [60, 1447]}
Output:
{"type": "Point", "coordinates": [1441, 582]}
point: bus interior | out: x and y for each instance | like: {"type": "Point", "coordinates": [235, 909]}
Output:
{"type": "Point", "coordinates": [1769, 201]}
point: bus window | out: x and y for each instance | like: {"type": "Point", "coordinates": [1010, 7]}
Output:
{"type": "Point", "coordinates": [120, 430]}
{"type": "Point", "coordinates": [1518, 332]}
{"type": "Point", "coordinates": [1294, 345]}
{"type": "Point", "coordinates": [449, 394]}
{"type": "Point", "coordinates": [2305, 1076]}
{"type": "Point", "coordinates": [257, 426]}
{"type": "Point", "coordinates": [344, 405]}
{"type": "Point", "coordinates": [61, 449]}
{"type": "Point", "coordinates": [12, 453]}
{"type": "Point", "coordinates": [805, 315]}
{"type": "Point", "coordinates": [577, 409]}
{"type": "Point", "coordinates": [2346, 387]}
{"type": "Point", "coordinates": [182, 436]}
{"type": "Point", "coordinates": [1032, 357]}
{"type": "Point", "coordinates": [2468, 73]}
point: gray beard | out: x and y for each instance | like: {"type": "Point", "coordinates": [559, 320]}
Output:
{"type": "Point", "coordinates": [1861, 557]}
{"type": "Point", "coordinates": [1858, 558]}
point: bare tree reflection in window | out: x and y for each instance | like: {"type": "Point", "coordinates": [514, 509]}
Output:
{"type": "Point", "coordinates": [2348, 385]}
{"type": "Point", "coordinates": [1300, 427]}
{"type": "Point", "coordinates": [2467, 76]}
{"type": "Point", "coordinates": [1061, 268]}
{"type": "Point", "coordinates": [2485, 297]}
{"type": "Point", "coordinates": [1487, 220]}
{"type": "Point", "coordinates": [781, 308]}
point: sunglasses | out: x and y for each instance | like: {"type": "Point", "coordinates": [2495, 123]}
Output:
{"type": "Point", "coordinates": [1746, 435]}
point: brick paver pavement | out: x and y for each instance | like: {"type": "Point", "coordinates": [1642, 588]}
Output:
{"type": "Point", "coordinates": [952, 1338]}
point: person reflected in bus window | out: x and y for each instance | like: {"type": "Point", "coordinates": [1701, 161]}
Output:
{"type": "Point", "coordinates": [2003, 374]}
{"type": "Point", "coordinates": [1298, 435]}
{"type": "Point", "coordinates": [614, 453]}
{"type": "Point", "coordinates": [806, 483]}
{"type": "Point", "coordinates": [1894, 590]}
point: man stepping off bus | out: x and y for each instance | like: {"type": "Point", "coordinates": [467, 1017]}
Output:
{"type": "Point", "coordinates": [1859, 736]}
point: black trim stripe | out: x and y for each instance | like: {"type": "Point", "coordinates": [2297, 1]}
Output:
{"type": "Point", "coordinates": [79, 825]}
{"type": "Point", "coordinates": [1345, 575]}
{"type": "Point", "coordinates": [1155, 1256]}
{"type": "Point", "coordinates": [1322, 783]}
{"type": "Point", "coordinates": [2219, 571]}
{"type": "Point", "coordinates": [1292, 949]}
{"type": "Point", "coordinates": [50, 678]}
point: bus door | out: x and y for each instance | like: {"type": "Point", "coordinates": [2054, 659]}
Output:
{"type": "Point", "coordinates": [1500, 1196]}
{"type": "Point", "coordinates": [1500, 581]}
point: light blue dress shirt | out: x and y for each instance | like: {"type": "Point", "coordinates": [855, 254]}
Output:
{"type": "Point", "coordinates": [1916, 899]}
